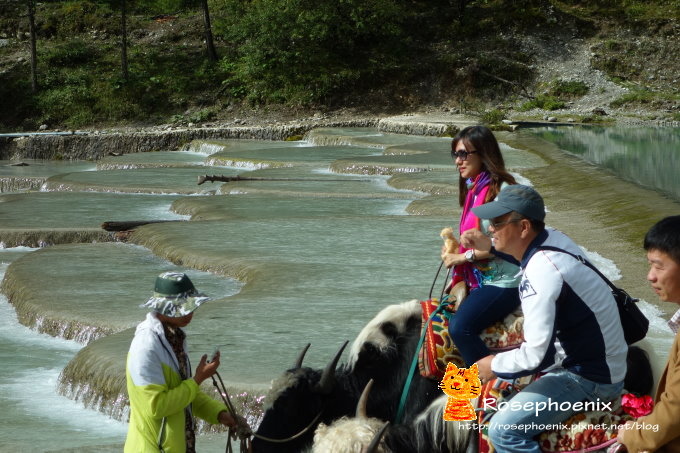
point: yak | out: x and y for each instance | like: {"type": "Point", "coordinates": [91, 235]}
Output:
{"type": "Point", "coordinates": [303, 397]}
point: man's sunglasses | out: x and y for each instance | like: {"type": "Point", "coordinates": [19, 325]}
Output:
{"type": "Point", "coordinates": [497, 224]}
{"type": "Point", "coordinates": [463, 155]}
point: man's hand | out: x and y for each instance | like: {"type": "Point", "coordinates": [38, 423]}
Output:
{"type": "Point", "coordinates": [204, 369]}
{"type": "Point", "coordinates": [620, 434]}
{"type": "Point", "coordinates": [485, 372]}
{"type": "Point", "coordinates": [226, 419]}
{"type": "Point", "coordinates": [475, 239]}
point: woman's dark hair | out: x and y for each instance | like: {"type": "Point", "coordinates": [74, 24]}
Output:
{"type": "Point", "coordinates": [482, 140]}
{"type": "Point", "coordinates": [664, 236]}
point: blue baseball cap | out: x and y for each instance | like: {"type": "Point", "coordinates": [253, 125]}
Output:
{"type": "Point", "coordinates": [517, 197]}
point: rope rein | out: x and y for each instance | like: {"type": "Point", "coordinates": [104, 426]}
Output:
{"type": "Point", "coordinates": [444, 302]}
{"type": "Point", "coordinates": [243, 432]}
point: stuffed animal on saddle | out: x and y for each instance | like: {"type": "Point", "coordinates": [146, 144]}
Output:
{"type": "Point", "coordinates": [458, 292]}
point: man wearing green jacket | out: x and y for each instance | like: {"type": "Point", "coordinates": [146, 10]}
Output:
{"type": "Point", "coordinates": [164, 397]}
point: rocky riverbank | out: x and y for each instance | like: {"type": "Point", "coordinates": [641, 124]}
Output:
{"type": "Point", "coordinates": [94, 145]}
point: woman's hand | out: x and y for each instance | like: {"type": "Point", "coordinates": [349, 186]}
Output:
{"type": "Point", "coordinates": [453, 259]}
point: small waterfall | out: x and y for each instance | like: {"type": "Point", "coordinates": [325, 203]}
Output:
{"type": "Point", "coordinates": [155, 238]}
{"type": "Point", "coordinates": [94, 146]}
{"type": "Point", "coordinates": [325, 137]}
{"type": "Point", "coordinates": [432, 125]}
{"type": "Point", "coordinates": [245, 163]}
{"type": "Point", "coordinates": [207, 147]}
{"type": "Point", "coordinates": [42, 238]}
{"type": "Point", "coordinates": [351, 166]}
{"type": "Point", "coordinates": [97, 379]}
{"type": "Point", "coordinates": [33, 316]}
{"type": "Point", "coordinates": [18, 184]}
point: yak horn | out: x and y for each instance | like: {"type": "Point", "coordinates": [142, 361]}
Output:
{"type": "Point", "coordinates": [363, 399]}
{"type": "Point", "coordinates": [375, 442]}
{"type": "Point", "coordinates": [327, 381]}
{"type": "Point", "coordinates": [301, 356]}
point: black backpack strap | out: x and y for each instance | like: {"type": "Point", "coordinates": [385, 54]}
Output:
{"type": "Point", "coordinates": [582, 260]}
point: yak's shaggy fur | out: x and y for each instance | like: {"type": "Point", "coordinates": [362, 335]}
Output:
{"type": "Point", "coordinates": [380, 331]}
{"type": "Point", "coordinates": [348, 435]}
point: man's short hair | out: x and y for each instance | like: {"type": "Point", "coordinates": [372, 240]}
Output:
{"type": "Point", "coordinates": [664, 236]}
{"type": "Point", "coordinates": [536, 225]}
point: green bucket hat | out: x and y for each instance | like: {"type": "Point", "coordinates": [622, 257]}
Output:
{"type": "Point", "coordinates": [174, 295]}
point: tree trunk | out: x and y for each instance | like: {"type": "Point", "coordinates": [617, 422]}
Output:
{"type": "Point", "coordinates": [127, 225]}
{"type": "Point", "coordinates": [210, 45]}
{"type": "Point", "coordinates": [123, 41]}
{"type": "Point", "coordinates": [34, 57]}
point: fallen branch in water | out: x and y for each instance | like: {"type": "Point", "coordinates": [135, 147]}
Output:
{"type": "Point", "coordinates": [130, 225]}
{"type": "Point", "coordinates": [222, 178]}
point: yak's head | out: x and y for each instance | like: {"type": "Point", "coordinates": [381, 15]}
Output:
{"type": "Point", "coordinates": [298, 401]}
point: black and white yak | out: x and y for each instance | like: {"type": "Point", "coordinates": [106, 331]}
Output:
{"type": "Point", "coordinates": [303, 397]}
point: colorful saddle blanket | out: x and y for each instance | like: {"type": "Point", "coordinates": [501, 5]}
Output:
{"type": "Point", "coordinates": [438, 349]}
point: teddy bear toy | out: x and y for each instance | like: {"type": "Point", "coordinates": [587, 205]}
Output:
{"type": "Point", "coordinates": [450, 243]}
{"type": "Point", "coordinates": [458, 291]}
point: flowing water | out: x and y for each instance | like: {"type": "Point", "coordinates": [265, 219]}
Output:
{"type": "Point", "coordinates": [339, 226]}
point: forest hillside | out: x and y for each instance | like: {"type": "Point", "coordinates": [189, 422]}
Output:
{"type": "Point", "coordinates": [78, 64]}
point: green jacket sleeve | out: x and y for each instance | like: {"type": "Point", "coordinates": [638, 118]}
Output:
{"type": "Point", "coordinates": [207, 408]}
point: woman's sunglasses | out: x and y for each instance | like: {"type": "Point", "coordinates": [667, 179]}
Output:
{"type": "Point", "coordinates": [463, 155]}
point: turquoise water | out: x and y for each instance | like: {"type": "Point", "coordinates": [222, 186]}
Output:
{"type": "Point", "coordinates": [348, 223]}
{"type": "Point", "coordinates": [649, 156]}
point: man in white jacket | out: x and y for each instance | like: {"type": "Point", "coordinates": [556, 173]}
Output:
{"type": "Point", "coordinates": [572, 330]}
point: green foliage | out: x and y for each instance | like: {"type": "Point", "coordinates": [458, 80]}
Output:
{"type": "Point", "coordinates": [569, 89]}
{"type": "Point", "coordinates": [493, 116]}
{"type": "Point", "coordinates": [70, 53]}
{"type": "Point", "coordinates": [622, 10]}
{"type": "Point", "coordinates": [450, 131]}
{"type": "Point", "coordinates": [72, 17]}
{"type": "Point", "coordinates": [636, 95]}
{"type": "Point", "coordinates": [555, 92]}
{"type": "Point", "coordinates": [304, 51]}
{"type": "Point", "coordinates": [161, 6]}
{"type": "Point", "coordinates": [543, 101]}
{"type": "Point", "coordinates": [198, 116]}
